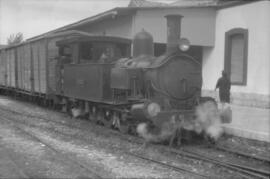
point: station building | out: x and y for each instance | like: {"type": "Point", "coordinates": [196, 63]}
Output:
{"type": "Point", "coordinates": [229, 35]}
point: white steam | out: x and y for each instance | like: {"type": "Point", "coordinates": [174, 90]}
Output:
{"type": "Point", "coordinates": [208, 118]}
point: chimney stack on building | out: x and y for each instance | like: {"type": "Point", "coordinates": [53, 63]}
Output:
{"type": "Point", "coordinates": [173, 32]}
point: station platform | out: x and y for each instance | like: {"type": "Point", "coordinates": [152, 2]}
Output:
{"type": "Point", "coordinates": [249, 122]}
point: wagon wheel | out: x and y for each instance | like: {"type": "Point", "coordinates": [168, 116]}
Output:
{"type": "Point", "coordinates": [93, 115]}
{"type": "Point", "coordinates": [107, 123]}
{"type": "Point", "coordinates": [100, 116]}
{"type": "Point", "coordinates": [123, 124]}
{"type": "Point", "coordinates": [132, 129]}
{"type": "Point", "coordinates": [115, 120]}
{"type": "Point", "coordinates": [93, 118]}
{"type": "Point", "coordinates": [106, 120]}
{"type": "Point", "coordinates": [123, 128]}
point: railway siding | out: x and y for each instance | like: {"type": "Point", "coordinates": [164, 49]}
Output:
{"type": "Point", "coordinates": [78, 154]}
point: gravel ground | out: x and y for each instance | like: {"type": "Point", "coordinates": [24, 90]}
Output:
{"type": "Point", "coordinates": [36, 160]}
{"type": "Point", "coordinates": [253, 147]}
{"type": "Point", "coordinates": [89, 146]}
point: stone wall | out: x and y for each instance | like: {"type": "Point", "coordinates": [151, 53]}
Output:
{"type": "Point", "coordinates": [243, 99]}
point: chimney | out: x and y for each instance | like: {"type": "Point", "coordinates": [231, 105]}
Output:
{"type": "Point", "coordinates": [173, 32]}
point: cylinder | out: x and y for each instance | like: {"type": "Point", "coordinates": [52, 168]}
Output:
{"type": "Point", "coordinates": [144, 111]}
{"type": "Point", "coordinates": [143, 44]}
{"type": "Point", "coordinates": [173, 32]}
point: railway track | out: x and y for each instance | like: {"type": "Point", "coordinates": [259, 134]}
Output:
{"type": "Point", "coordinates": [244, 154]}
{"type": "Point", "coordinates": [246, 172]}
{"type": "Point", "coordinates": [249, 171]}
{"type": "Point", "coordinates": [169, 166]}
{"type": "Point", "coordinates": [139, 156]}
{"type": "Point", "coordinates": [66, 157]}
{"type": "Point", "coordinates": [13, 164]}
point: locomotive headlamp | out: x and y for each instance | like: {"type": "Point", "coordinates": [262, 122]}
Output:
{"type": "Point", "coordinates": [153, 109]}
{"type": "Point", "coordinates": [184, 44]}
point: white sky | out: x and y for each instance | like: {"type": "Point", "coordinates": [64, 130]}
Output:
{"type": "Point", "coordinates": [34, 17]}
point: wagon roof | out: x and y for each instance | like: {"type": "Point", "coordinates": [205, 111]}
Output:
{"type": "Point", "coordinates": [74, 35]}
{"type": "Point", "coordinates": [93, 37]}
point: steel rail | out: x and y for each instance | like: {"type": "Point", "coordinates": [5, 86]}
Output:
{"type": "Point", "coordinates": [243, 169]}
{"type": "Point", "coordinates": [259, 158]}
{"type": "Point", "coordinates": [169, 166]}
{"type": "Point", "coordinates": [23, 174]}
{"type": "Point", "coordinates": [32, 135]}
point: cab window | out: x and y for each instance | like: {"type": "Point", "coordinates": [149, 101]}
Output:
{"type": "Point", "coordinates": [86, 52]}
{"type": "Point", "coordinates": [65, 54]}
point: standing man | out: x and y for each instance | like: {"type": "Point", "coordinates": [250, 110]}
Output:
{"type": "Point", "coordinates": [224, 85]}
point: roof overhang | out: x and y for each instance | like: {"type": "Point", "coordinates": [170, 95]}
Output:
{"type": "Point", "coordinates": [85, 37]}
{"type": "Point", "coordinates": [113, 13]}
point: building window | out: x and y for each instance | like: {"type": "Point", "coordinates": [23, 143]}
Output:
{"type": "Point", "coordinates": [236, 47]}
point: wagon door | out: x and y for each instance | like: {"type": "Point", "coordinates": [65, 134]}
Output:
{"type": "Point", "coordinates": [36, 75]}
{"type": "Point", "coordinates": [27, 82]}
{"type": "Point", "coordinates": [53, 67]}
{"type": "Point", "coordinates": [2, 68]}
{"type": "Point", "coordinates": [20, 56]}
{"type": "Point", "coordinates": [8, 68]}
{"type": "Point", "coordinates": [43, 66]}
{"type": "Point", "coordinates": [12, 68]}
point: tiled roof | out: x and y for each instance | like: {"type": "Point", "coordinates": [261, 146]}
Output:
{"type": "Point", "coordinates": [187, 3]}
{"type": "Point", "coordinates": [195, 3]}
{"type": "Point", "coordinates": [231, 2]}
{"type": "Point", "coordinates": [145, 3]}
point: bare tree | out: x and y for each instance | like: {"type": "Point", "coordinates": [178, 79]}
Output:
{"type": "Point", "coordinates": [15, 38]}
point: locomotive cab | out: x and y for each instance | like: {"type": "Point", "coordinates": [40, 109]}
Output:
{"type": "Point", "coordinates": [87, 64]}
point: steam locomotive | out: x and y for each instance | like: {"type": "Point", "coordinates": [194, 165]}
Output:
{"type": "Point", "coordinates": [123, 92]}
{"type": "Point", "coordinates": [94, 76]}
